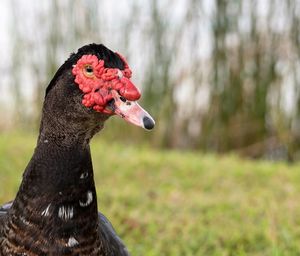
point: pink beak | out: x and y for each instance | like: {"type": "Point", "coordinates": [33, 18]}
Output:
{"type": "Point", "coordinates": [131, 111]}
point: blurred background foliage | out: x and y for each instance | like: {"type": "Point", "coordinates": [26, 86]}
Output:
{"type": "Point", "coordinates": [217, 75]}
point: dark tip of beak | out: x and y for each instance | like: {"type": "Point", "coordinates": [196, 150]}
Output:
{"type": "Point", "coordinates": [148, 123]}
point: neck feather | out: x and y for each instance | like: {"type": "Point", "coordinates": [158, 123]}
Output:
{"type": "Point", "coordinates": [57, 197]}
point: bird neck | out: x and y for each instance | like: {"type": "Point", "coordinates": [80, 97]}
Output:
{"type": "Point", "coordinates": [65, 124]}
{"type": "Point", "coordinates": [59, 171]}
{"type": "Point", "coordinates": [57, 195]}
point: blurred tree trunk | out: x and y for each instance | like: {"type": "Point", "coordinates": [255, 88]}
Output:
{"type": "Point", "coordinates": [159, 87]}
{"type": "Point", "coordinates": [243, 75]}
{"type": "Point", "coordinates": [293, 140]}
{"type": "Point", "coordinates": [20, 113]}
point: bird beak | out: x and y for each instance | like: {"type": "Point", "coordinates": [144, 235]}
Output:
{"type": "Point", "coordinates": [130, 111]}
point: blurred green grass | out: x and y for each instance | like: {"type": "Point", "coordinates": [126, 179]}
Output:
{"type": "Point", "coordinates": [179, 203]}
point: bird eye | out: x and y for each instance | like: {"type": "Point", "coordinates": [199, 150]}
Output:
{"type": "Point", "coordinates": [88, 70]}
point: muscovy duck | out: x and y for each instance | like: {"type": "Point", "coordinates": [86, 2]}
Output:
{"type": "Point", "coordinates": [55, 210]}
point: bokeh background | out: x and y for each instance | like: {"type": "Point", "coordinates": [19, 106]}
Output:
{"type": "Point", "coordinates": [221, 78]}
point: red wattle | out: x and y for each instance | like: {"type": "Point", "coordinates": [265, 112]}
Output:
{"type": "Point", "coordinates": [129, 91]}
{"type": "Point", "coordinates": [97, 86]}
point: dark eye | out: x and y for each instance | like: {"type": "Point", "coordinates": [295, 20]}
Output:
{"type": "Point", "coordinates": [89, 70]}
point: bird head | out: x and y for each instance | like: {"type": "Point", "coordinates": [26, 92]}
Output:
{"type": "Point", "coordinates": [94, 84]}
{"type": "Point", "coordinates": [108, 89]}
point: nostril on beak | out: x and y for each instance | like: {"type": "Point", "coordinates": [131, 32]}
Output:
{"type": "Point", "coordinates": [148, 123]}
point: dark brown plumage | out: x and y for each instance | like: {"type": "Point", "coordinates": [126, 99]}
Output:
{"type": "Point", "coordinates": [55, 210]}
